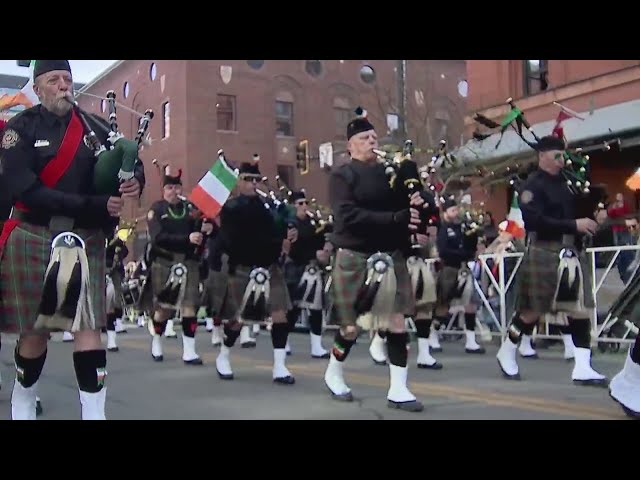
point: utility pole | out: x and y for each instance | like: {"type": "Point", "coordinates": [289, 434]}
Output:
{"type": "Point", "coordinates": [401, 84]}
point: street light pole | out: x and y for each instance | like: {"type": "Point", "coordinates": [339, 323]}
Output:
{"type": "Point", "coordinates": [401, 80]}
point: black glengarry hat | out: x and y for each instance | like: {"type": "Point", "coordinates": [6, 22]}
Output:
{"type": "Point", "coordinates": [247, 168]}
{"type": "Point", "coordinates": [549, 143]}
{"type": "Point", "coordinates": [295, 196]}
{"type": "Point", "coordinates": [360, 124]}
{"type": "Point", "coordinates": [448, 203]}
{"type": "Point", "coordinates": [44, 66]}
{"type": "Point", "coordinates": [169, 177]}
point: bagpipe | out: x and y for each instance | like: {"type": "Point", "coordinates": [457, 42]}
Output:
{"type": "Point", "coordinates": [576, 171]}
{"type": "Point", "coordinates": [277, 201]}
{"type": "Point", "coordinates": [405, 179]}
{"type": "Point", "coordinates": [115, 164]}
{"type": "Point", "coordinates": [472, 223]}
{"type": "Point", "coordinates": [321, 217]}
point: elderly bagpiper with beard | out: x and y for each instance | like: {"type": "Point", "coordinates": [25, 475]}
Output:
{"type": "Point", "coordinates": [370, 283]}
{"type": "Point", "coordinates": [553, 276]}
{"type": "Point", "coordinates": [254, 243]}
{"type": "Point", "coordinates": [49, 172]}
{"type": "Point", "coordinates": [176, 237]}
{"type": "Point", "coordinates": [456, 247]}
{"type": "Point", "coordinates": [303, 270]}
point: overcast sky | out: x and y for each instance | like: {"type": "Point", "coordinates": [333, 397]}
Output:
{"type": "Point", "coordinates": [83, 70]}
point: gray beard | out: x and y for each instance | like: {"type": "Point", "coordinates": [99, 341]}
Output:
{"type": "Point", "coordinates": [58, 107]}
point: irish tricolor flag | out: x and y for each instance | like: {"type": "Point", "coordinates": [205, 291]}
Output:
{"type": "Point", "coordinates": [514, 224]}
{"type": "Point", "coordinates": [214, 189]}
{"type": "Point", "coordinates": [25, 97]}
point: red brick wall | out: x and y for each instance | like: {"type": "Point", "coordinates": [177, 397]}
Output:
{"type": "Point", "coordinates": [491, 82]}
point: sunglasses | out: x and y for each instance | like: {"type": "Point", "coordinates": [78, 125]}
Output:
{"type": "Point", "coordinates": [302, 202]}
{"type": "Point", "coordinates": [250, 178]}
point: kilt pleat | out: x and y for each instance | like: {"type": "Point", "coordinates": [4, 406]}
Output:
{"type": "Point", "coordinates": [22, 269]}
{"type": "Point", "coordinates": [216, 291]}
{"type": "Point", "coordinates": [447, 284]}
{"type": "Point", "coordinates": [348, 276]}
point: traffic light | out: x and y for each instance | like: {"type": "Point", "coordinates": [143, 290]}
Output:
{"type": "Point", "coordinates": [23, 63]}
{"type": "Point", "coordinates": [302, 157]}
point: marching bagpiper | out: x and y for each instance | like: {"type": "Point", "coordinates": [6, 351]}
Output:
{"type": "Point", "coordinates": [371, 288]}
{"type": "Point", "coordinates": [253, 243]}
{"type": "Point", "coordinates": [553, 276]}
{"type": "Point", "coordinates": [303, 269]}
{"type": "Point", "coordinates": [176, 238]}
{"type": "Point", "coordinates": [48, 157]}
{"type": "Point", "coordinates": [456, 248]}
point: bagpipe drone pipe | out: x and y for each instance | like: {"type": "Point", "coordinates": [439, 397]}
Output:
{"type": "Point", "coordinates": [405, 179]}
{"type": "Point", "coordinates": [115, 164]}
{"type": "Point", "coordinates": [277, 201]}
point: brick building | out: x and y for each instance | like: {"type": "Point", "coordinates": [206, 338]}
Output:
{"type": "Point", "coordinates": [604, 92]}
{"type": "Point", "coordinates": [268, 106]}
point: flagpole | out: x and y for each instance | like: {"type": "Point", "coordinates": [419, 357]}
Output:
{"type": "Point", "coordinates": [569, 111]}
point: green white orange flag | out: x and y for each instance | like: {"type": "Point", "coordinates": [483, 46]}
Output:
{"type": "Point", "coordinates": [26, 96]}
{"type": "Point", "coordinates": [214, 189]}
{"type": "Point", "coordinates": [514, 224]}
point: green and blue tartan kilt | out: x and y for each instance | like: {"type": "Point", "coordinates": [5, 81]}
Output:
{"type": "Point", "coordinates": [279, 299]}
{"type": "Point", "coordinates": [348, 275]}
{"type": "Point", "coordinates": [216, 288]}
{"type": "Point", "coordinates": [537, 278]}
{"type": "Point", "coordinates": [23, 265]}
{"type": "Point", "coordinates": [160, 270]}
{"type": "Point", "coordinates": [446, 284]}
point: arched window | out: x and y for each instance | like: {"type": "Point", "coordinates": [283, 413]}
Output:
{"type": "Point", "coordinates": [284, 114]}
{"type": "Point", "coordinates": [342, 111]}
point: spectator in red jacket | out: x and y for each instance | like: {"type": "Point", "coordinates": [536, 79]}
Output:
{"type": "Point", "coordinates": [617, 212]}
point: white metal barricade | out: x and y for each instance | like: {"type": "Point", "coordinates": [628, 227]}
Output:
{"type": "Point", "coordinates": [597, 285]}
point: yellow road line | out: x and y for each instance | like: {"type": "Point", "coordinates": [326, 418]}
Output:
{"type": "Point", "coordinates": [520, 402]}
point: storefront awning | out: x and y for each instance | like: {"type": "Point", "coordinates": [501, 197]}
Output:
{"type": "Point", "coordinates": [601, 124]}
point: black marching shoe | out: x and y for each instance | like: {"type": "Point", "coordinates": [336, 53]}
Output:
{"type": "Point", "coordinates": [410, 406]}
{"type": "Point", "coordinates": [435, 366]}
{"type": "Point", "coordinates": [288, 380]}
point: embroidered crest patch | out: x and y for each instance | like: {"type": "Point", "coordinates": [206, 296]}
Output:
{"type": "Point", "coordinates": [9, 139]}
{"type": "Point", "coordinates": [526, 196]}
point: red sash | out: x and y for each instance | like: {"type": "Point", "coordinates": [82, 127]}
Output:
{"type": "Point", "coordinates": [53, 170]}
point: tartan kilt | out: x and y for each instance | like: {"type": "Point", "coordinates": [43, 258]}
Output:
{"type": "Point", "coordinates": [216, 288]}
{"type": "Point", "coordinates": [160, 269]}
{"type": "Point", "coordinates": [279, 299]}
{"type": "Point", "coordinates": [538, 278]}
{"type": "Point", "coordinates": [348, 276]}
{"type": "Point", "coordinates": [446, 285]}
{"type": "Point", "coordinates": [23, 265]}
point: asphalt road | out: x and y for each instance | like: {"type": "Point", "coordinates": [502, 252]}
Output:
{"type": "Point", "coordinates": [469, 386]}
